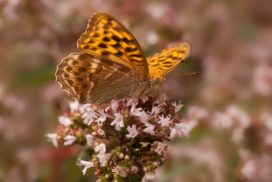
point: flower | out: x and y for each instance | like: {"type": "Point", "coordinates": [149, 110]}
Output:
{"type": "Point", "coordinates": [182, 128]}
{"type": "Point", "coordinates": [86, 164]}
{"type": "Point", "coordinates": [103, 158]}
{"type": "Point", "coordinates": [149, 128]}
{"type": "Point", "coordinates": [155, 110]}
{"type": "Point", "coordinates": [131, 102]}
{"type": "Point", "coordinates": [197, 113]}
{"type": "Point", "coordinates": [118, 122]}
{"type": "Point", "coordinates": [248, 168]}
{"type": "Point", "coordinates": [74, 106]}
{"type": "Point", "coordinates": [177, 106]}
{"type": "Point", "coordinates": [85, 108]}
{"type": "Point", "coordinates": [159, 147]}
{"type": "Point", "coordinates": [90, 116]}
{"type": "Point", "coordinates": [52, 137]}
{"type": "Point", "coordinates": [101, 148]}
{"type": "Point", "coordinates": [135, 111]}
{"type": "Point", "coordinates": [114, 105]}
{"type": "Point", "coordinates": [165, 121]}
{"type": "Point", "coordinates": [102, 118]}
{"type": "Point", "coordinates": [89, 140]}
{"type": "Point", "coordinates": [122, 171]}
{"type": "Point", "coordinates": [223, 121]}
{"type": "Point", "coordinates": [132, 131]}
{"type": "Point", "coordinates": [134, 169]}
{"type": "Point", "coordinates": [144, 99]}
{"type": "Point", "coordinates": [69, 140]}
{"type": "Point", "coordinates": [152, 37]}
{"type": "Point", "coordinates": [239, 115]}
{"type": "Point", "coordinates": [144, 117]}
{"type": "Point", "coordinates": [100, 131]}
{"type": "Point", "coordinates": [120, 136]}
{"type": "Point", "coordinates": [65, 121]}
{"type": "Point", "coordinates": [149, 176]}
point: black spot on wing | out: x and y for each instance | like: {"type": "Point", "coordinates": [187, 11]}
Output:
{"type": "Point", "coordinates": [105, 53]}
{"type": "Point", "coordinates": [118, 54]}
{"type": "Point", "coordinates": [117, 39]}
{"type": "Point", "coordinates": [79, 79]}
{"type": "Point", "coordinates": [86, 47]}
{"type": "Point", "coordinates": [96, 35]}
{"type": "Point", "coordinates": [101, 45]}
{"type": "Point", "coordinates": [106, 39]}
{"type": "Point", "coordinates": [82, 69]}
{"type": "Point", "coordinates": [117, 45]}
{"type": "Point", "coordinates": [68, 69]}
{"type": "Point", "coordinates": [70, 82]}
{"type": "Point", "coordinates": [74, 62]}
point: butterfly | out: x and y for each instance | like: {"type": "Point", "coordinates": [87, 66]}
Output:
{"type": "Point", "coordinates": [111, 64]}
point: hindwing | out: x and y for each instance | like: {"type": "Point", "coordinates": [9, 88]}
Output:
{"type": "Point", "coordinates": [88, 78]}
{"type": "Point", "coordinates": [162, 63]}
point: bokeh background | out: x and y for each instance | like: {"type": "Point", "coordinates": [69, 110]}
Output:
{"type": "Point", "coordinates": [230, 100]}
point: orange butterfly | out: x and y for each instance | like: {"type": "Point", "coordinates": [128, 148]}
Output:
{"type": "Point", "coordinates": [111, 64]}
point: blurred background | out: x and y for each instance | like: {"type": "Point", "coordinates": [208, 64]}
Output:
{"type": "Point", "coordinates": [231, 98]}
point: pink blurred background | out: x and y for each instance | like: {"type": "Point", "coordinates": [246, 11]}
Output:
{"type": "Point", "coordinates": [231, 98]}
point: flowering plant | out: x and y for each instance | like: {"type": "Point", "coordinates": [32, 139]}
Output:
{"type": "Point", "coordinates": [126, 139]}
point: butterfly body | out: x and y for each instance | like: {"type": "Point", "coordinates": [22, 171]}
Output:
{"type": "Point", "coordinates": [111, 64]}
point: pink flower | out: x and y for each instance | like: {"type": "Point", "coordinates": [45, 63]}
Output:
{"type": "Point", "coordinates": [131, 102]}
{"type": "Point", "coordinates": [90, 116]}
{"type": "Point", "coordinates": [114, 105]}
{"type": "Point", "coordinates": [238, 114]}
{"type": "Point", "coordinates": [165, 121]}
{"type": "Point", "coordinates": [100, 131]}
{"type": "Point", "coordinates": [132, 131]}
{"type": "Point", "coordinates": [182, 129]}
{"type": "Point", "coordinates": [117, 129]}
{"type": "Point", "coordinates": [103, 158]}
{"type": "Point", "coordinates": [222, 121]}
{"type": "Point", "coordinates": [135, 111]}
{"type": "Point", "coordinates": [65, 121]}
{"type": "Point", "coordinates": [86, 164]}
{"type": "Point", "coordinates": [122, 171]}
{"type": "Point", "coordinates": [149, 128]}
{"type": "Point", "coordinates": [144, 117]}
{"type": "Point", "coordinates": [69, 140]}
{"type": "Point", "coordinates": [177, 106]}
{"type": "Point", "coordinates": [101, 119]}
{"type": "Point", "coordinates": [134, 169]}
{"type": "Point", "coordinates": [89, 140]}
{"type": "Point", "coordinates": [155, 110]}
{"type": "Point", "coordinates": [149, 176]}
{"type": "Point", "coordinates": [118, 121]}
{"type": "Point", "coordinates": [144, 99]}
{"type": "Point", "coordinates": [159, 147]}
{"type": "Point", "coordinates": [53, 137]}
{"type": "Point", "coordinates": [74, 106]}
{"type": "Point", "coordinates": [101, 148]}
{"type": "Point", "coordinates": [197, 113]}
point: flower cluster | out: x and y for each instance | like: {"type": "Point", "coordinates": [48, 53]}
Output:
{"type": "Point", "coordinates": [128, 137]}
{"type": "Point", "coordinates": [248, 137]}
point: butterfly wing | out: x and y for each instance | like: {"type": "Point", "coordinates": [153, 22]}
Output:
{"type": "Point", "coordinates": [161, 63]}
{"type": "Point", "coordinates": [88, 78]}
{"type": "Point", "coordinates": [108, 38]}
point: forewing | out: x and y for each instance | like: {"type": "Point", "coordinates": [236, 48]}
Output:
{"type": "Point", "coordinates": [88, 78]}
{"type": "Point", "coordinates": [108, 38]}
{"type": "Point", "coordinates": [161, 63]}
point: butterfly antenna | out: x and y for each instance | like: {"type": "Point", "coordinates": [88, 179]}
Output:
{"type": "Point", "coordinates": [187, 74]}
